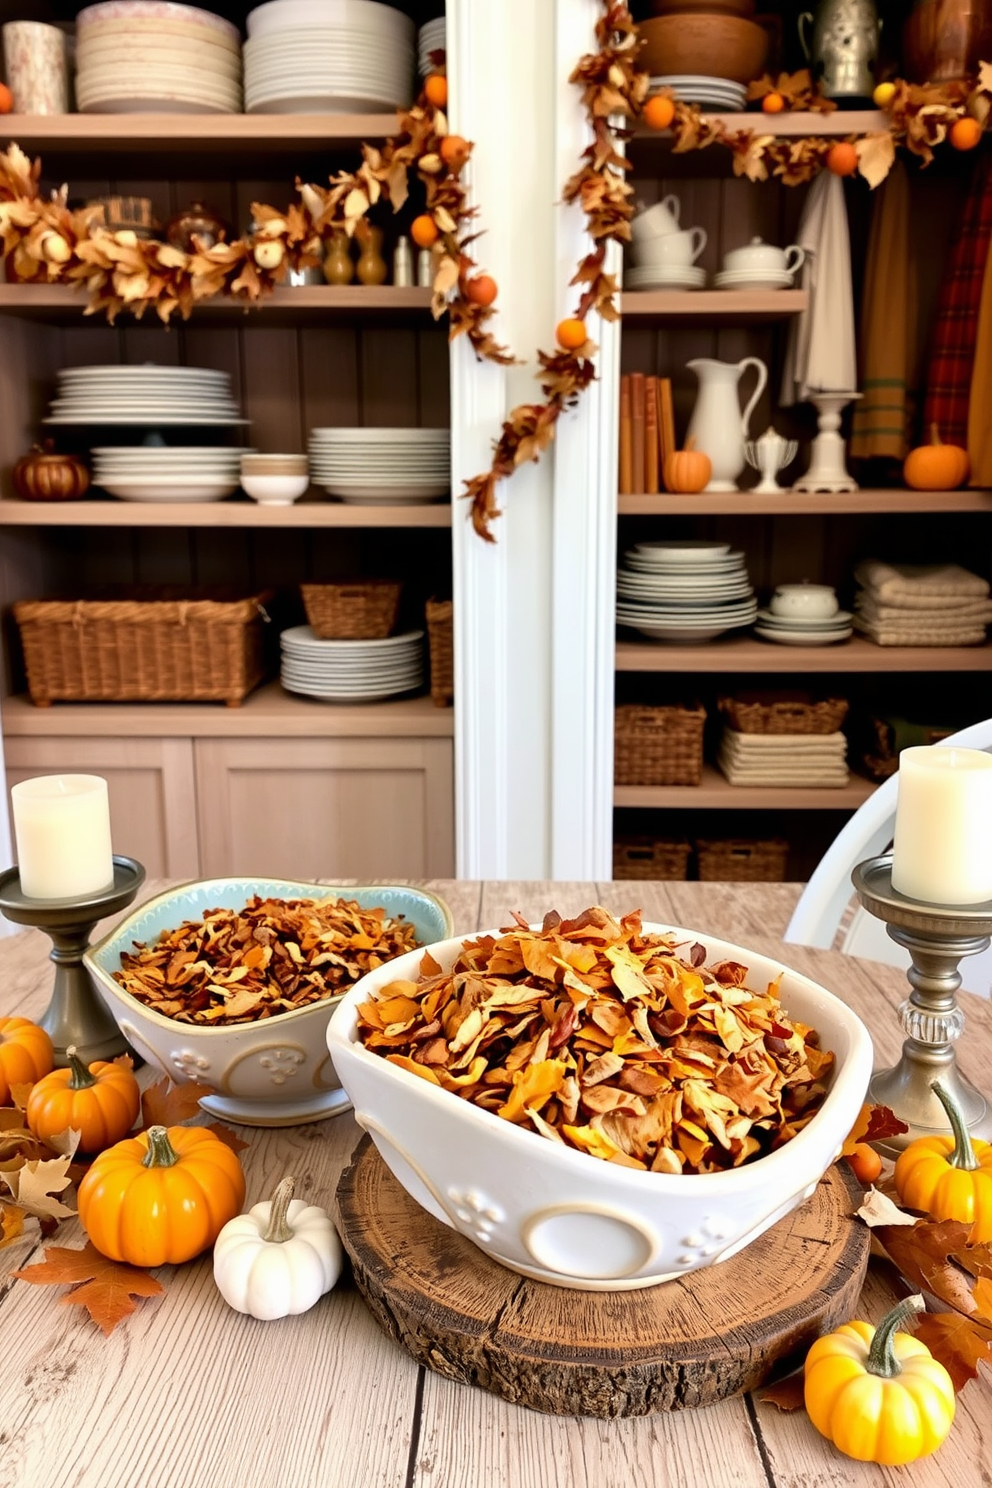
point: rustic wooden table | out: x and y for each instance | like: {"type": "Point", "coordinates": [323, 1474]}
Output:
{"type": "Point", "coordinates": [188, 1394]}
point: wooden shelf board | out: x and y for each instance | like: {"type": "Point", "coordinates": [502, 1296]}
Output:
{"type": "Point", "coordinates": [749, 654]}
{"type": "Point", "coordinates": [230, 513]}
{"type": "Point", "coordinates": [731, 306]}
{"type": "Point", "coordinates": [792, 504]}
{"type": "Point", "coordinates": [269, 711]}
{"type": "Point", "coordinates": [794, 125]}
{"type": "Point", "coordinates": [58, 303]}
{"type": "Point", "coordinates": [137, 133]}
{"type": "Point", "coordinates": [716, 793]}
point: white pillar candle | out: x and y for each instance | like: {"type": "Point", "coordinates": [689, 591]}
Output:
{"type": "Point", "coordinates": [62, 827]}
{"type": "Point", "coordinates": [943, 836]}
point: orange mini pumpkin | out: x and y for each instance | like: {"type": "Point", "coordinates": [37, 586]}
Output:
{"type": "Point", "coordinates": [100, 1102]}
{"type": "Point", "coordinates": [936, 466]}
{"type": "Point", "coordinates": [26, 1054]}
{"type": "Point", "coordinates": [687, 471]}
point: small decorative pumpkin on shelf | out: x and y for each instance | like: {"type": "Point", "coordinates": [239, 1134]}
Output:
{"type": "Point", "coordinates": [161, 1197]}
{"type": "Point", "coordinates": [101, 1102]}
{"type": "Point", "coordinates": [879, 1395]}
{"type": "Point", "coordinates": [44, 475]}
{"type": "Point", "coordinates": [949, 1177]}
{"type": "Point", "coordinates": [936, 466]}
{"type": "Point", "coordinates": [279, 1258]}
{"type": "Point", "coordinates": [26, 1054]}
{"type": "Point", "coordinates": [687, 471]}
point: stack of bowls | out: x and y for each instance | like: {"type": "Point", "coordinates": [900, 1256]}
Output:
{"type": "Point", "coordinates": [430, 38]}
{"type": "Point", "coordinates": [804, 615]}
{"type": "Point", "coordinates": [274, 480]}
{"type": "Point", "coordinates": [664, 254]}
{"type": "Point", "coordinates": [370, 466]}
{"type": "Point", "coordinates": [155, 55]}
{"type": "Point", "coordinates": [704, 39]}
{"type": "Point", "coordinates": [312, 56]}
{"type": "Point", "coordinates": [166, 472]}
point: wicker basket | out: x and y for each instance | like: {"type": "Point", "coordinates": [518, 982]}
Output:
{"type": "Point", "coordinates": [740, 860]}
{"type": "Point", "coordinates": [441, 636]}
{"type": "Point", "coordinates": [785, 717]}
{"type": "Point", "coordinates": [363, 611]}
{"type": "Point", "coordinates": [658, 746]}
{"type": "Point", "coordinates": [146, 650]}
{"type": "Point", "coordinates": [649, 858]}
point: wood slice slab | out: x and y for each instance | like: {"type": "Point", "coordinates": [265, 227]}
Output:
{"type": "Point", "coordinates": [682, 1344]}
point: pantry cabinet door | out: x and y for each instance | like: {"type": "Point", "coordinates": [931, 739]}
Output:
{"type": "Point", "coordinates": [151, 786]}
{"type": "Point", "coordinates": [320, 808]}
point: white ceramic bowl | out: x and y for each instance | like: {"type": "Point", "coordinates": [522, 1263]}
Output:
{"type": "Point", "coordinates": [805, 601]}
{"type": "Point", "coordinates": [656, 221]}
{"type": "Point", "coordinates": [562, 1216]}
{"type": "Point", "coordinates": [766, 257]}
{"type": "Point", "coordinates": [272, 1073]}
{"type": "Point", "coordinates": [676, 249]}
{"type": "Point", "coordinates": [274, 490]}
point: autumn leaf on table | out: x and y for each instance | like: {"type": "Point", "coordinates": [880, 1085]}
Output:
{"type": "Point", "coordinates": [957, 1342]}
{"type": "Point", "coordinates": [15, 1224]}
{"type": "Point", "coordinates": [34, 1186]}
{"type": "Point", "coordinates": [874, 1123]}
{"type": "Point", "coordinates": [226, 1135]}
{"type": "Point", "coordinates": [787, 1394]}
{"type": "Point", "coordinates": [166, 1104]}
{"type": "Point", "coordinates": [878, 1209]}
{"type": "Point", "coordinates": [103, 1287]}
{"type": "Point", "coordinates": [922, 1253]}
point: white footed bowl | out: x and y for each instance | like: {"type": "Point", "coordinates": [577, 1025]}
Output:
{"type": "Point", "coordinates": [274, 490]}
{"type": "Point", "coordinates": [561, 1216]}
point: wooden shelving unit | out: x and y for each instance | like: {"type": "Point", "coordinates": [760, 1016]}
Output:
{"type": "Point", "coordinates": [716, 793]}
{"type": "Point", "coordinates": [303, 515]}
{"type": "Point", "coordinates": [795, 504]}
{"type": "Point", "coordinates": [728, 306]}
{"type": "Point", "coordinates": [248, 134]}
{"type": "Point", "coordinates": [839, 123]}
{"type": "Point", "coordinates": [59, 304]}
{"type": "Point", "coordinates": [748, 654]}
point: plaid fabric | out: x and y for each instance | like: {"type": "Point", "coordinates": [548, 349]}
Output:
{"type": "Point", "coordinates": [955, 331]}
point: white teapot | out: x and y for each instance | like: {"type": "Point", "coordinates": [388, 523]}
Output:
{"type": "Point", "coordinates": [759, 257]}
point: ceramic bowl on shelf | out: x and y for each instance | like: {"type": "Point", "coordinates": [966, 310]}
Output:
{"type": "Point", "coordinates": [710, 45]}
{"type": "Point", "coordinates": [275, 1072]}
{"type": "Point", "coordinates": [805, 601]}
{"type": "Point", "coordinates": [562, 1216]}
{"type": "Point", "coordinates": [274, 490]}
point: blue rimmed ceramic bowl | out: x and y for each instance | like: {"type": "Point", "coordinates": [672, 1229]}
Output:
{"type": "Point", "coordinates": [273, 1073]}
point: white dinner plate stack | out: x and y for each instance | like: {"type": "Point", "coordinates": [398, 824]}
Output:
{"type": "Point", "coordinates": [798, 630]}
{"type": "Point", "coordinates": [431, 37]}
{"type": "Point", "coordinates": [156, 56]}
{"type": "Point", "coordinates": [351, 671]}
{"type": "Point", "coordinates": [150, 396]}
{"type": "Point", "coordinates": [331, 56]}
{"type": "Point", "coordinates": [718, 95]}
{"type": "Point", "coordinates": [147, 472]}
{"type": "Point", "coordinates": [382, 466]}
{"type": "Point", "coordinates": [688, 591]}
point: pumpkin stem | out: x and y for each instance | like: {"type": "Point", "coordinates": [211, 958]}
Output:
{"type": "Point", "coordinates": [935, 434]}
{"type": "Point", "coordinates": [279, 1230]}
{"type": "Point", "coordinates": [81, 1077]}
{"type": "Point", "coordinates": [161, 1153]}
{"type": "Point", "coordinates": [881, 1356]}
{"type": "Point", "coordinates": [963, 1155]}
{"type": "Point", "coordinates": [690, 444]}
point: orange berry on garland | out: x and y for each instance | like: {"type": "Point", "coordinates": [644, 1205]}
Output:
{"type": "Point", "coordinates": [842, 159]}
{"type": "Point", "coordinates": [436, 89]}
{"type": "Point", "coordinates": [6, 99]}
{"type": "Point", "coordinates": [571, 333]}
{"type": "Point", "coordinates": [966, 133]}
{"type": "Point", "coordinates": [482, 290]}
{"type": "Point", "coordinates": [773, 103]}
{"type": "Point", "coordinates": [423, 230]}
{"type": "Point", "coordinates": [455, 151]}
{"type": "Point", "coordinates": [659, 112]}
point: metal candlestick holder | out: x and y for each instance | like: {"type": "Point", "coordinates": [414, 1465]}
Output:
{"type": "Point", "coordinates": [76, 1014]}
{"type": "Point", "coordinates": [936, 936]}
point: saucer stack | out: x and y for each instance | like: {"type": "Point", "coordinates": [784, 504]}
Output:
{"type": "Point", "coordinates": [430, 38]}
{"type": "Point", "coordinates": [157, 56]}
{"type": "Point", "coordinates": [339, 56]}
{"type": "Point", "coordinates": [351, 671]}
{"type": "Point", "coordinates": [671, 591]}
{"type": "Point", "coordinates": [167, 472]}
{"type": "Point", "coordinates": [798, 630]}
{"type": "Point", "coordinates": [147, 395]}
{"type": "Point", "coordinates": [784, 760]}
{"type": "Point", "coordinates": [663, 253]}
{"type": "Point", "coordinates": [377, 466]}
{"type": "Point", "coordinates": [718, 95]}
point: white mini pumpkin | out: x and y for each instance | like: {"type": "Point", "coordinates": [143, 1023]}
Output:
{"type": "Point", "coordinates": [279, 1258]}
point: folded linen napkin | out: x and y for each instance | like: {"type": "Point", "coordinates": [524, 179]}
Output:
{"type": "Point", "coordinates": [765, 745]}
{"type": "Point", "coordinates": [950, 611]}
{"type": "Point", "coordinates": [895, 634]}
{"type": "Point", "coordinates": [919, 586]}
{"type": "Point", "coordinates": [775, 779]}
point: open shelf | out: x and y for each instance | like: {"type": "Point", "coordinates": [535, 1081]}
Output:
{"type": "Point", "coordinates": [252, 134]}
{"type": "Point", "coordinates": [59, 304]}
{"type": "Point", "coordinates": [748, 654]}
{"type": "Point", "coordinates": [795, 503]}
{"type": "Point", "coordinates": [840, 123]}
{"type": "Point", "coordinates": [716, 793]}
{"type": "Point", "coordinates": [729, 306]}
{"type": "Point", "coordinates": [230, 513]}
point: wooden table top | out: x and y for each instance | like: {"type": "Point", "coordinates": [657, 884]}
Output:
{"type": "Point", "coordinates": [187, 1393]}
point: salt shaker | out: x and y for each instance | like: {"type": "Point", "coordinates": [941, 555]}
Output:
{"type": "Point", "coordinates": [403, 263]}
{"type": "Point", "coordinates": [425, 268]}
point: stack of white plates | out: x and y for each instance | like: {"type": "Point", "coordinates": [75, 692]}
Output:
{"type": "Point", "coordinates": [382, 466]}
{"type": "Point", "coordinates": [665, 276]}
{"type": "Point", "coordinates": [430, 38]}
{"type": "Point", "coordinates": [754, 279]}
{"type": "Point", "coordinates": [312, 56]}
{"type": "Point", "coordinates": [140, 55]}
{"type": "Point", "coordinates": [167, 472]}
{"type": "Point", "coordinates": [351, 671]}
{"type": "Point", "coordinates": [792, 630]}
{"type": "Point", "coordinates": [719, 95]}
{"type": "Point", "coordinates": [150, 396]}
{"type": "Point", "coordinates": [685, 591]}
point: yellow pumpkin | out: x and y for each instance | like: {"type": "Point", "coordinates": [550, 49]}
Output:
{"type": "Point", "coordinates": [100, 1102]}
{"type": "Point", "coordinates": [949, 1177]}
{"type": "Point", "coordinates": [687, 471]}
{"type": "Point", "coordinates": [26, 1054]}
{"type": "Point", "coordinates": [936, 466]}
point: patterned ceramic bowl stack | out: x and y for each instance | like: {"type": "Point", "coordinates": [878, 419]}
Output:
{"type": "Point", "coordinates": [156, 55]}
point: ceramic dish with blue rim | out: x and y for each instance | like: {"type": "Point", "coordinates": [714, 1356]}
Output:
{"type": "Point", "coordinates": [274, 1072]}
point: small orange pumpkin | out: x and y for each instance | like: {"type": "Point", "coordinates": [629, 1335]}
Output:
{"type": "Point", "coordinates": [100, 1102]}
{"type": "Point", "coordinates": [936, 466]}
{"type": "Point", "coordinates": [26, 1054]}
{"type": "Point", "coordinates": [44, 475]}
{"type": "Point", "coordinates": [688, 471]}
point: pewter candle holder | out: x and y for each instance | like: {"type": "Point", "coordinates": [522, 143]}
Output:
{"type": "Point", "coordinates": [76, 1013]}
{"type": "Point", "coordinates": [937, 937]}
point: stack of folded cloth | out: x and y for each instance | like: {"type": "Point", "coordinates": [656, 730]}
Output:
{"type": "Point", "coordinates": [942, 605]}
{"type": "Point", "coordinates": [783, 759]}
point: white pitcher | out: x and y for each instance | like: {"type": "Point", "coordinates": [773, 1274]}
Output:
{"type": "Point", "coordinates": [717, 426]}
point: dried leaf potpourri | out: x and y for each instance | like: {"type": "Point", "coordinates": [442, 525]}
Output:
{"type": "Point", "coordinates": [612, 1041]}
{"type": "Point", "coordinates": [273, 956]}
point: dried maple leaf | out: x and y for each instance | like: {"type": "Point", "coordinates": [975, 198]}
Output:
{"type": "Point", "coordinates": [877, 1209]}
{"type": "Point", "coordinates": [876, 157]}
{"type": "Point", "coordinates": [227, 1136]}
{"type": "Point", "coordinates": [12, 1221]}
{"type": "Point", "coordinates": [166, 1104]}
{"type": "Point", "coordinates": [922, 1253]}
{"type": "Point", "coordinates": [956, 1342]}
{"type": "Point", "coordinates": [787, 1394]}
{"type": "Point", "coordinates": [873, 1124]}
{"type": "Point", "coordinates": [34, 1186]}
{"type": "Point", "coordinates": [103, 1287]}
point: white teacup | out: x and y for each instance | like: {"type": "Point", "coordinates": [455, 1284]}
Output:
{"type": "Point", "coordinates": [764, 258]}
{"type": "Point", "coordinates": [674, 250]}
{"type": "Point", "coordinates": [805, 601]}
{"type": "Point", "coordinates": [657, 221]}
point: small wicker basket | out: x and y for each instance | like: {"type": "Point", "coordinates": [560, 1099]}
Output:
{"type": "Point", "coordinates": [650, 858]}
{"type": "Point", "coordinates": [741, 860]}
{"type": "Point", "coordinates": [658, 746]}
{"type": "Point", "coordinates": [780, 716]}
{"type": "Point", "coordinates": [441, 638]}
{"type": "Point", "coordinates": [363, 611]}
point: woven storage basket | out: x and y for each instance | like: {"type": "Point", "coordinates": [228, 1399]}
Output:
{"type": "Point", "coordinates": [781, 717]}
{"type": "Point", "coordinates": [145, 650]}
{"type": "Point", "coordinates": [649, 858]}
{"type": "Point", "coordinates": [441, 637]}
{"type": "Point", "coordinates": [658, 746]}
{"type": "Point", "coordinates": [740, 860]}
{"type": "Point", "coordinates": [363, 611]}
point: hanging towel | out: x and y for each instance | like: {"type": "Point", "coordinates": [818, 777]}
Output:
{"type": "Point", "coordinates": [980, 399]}
{"type": "Point", "coordinates": [882, 419]}
{"type": "Point", "coordinates": [955, 331]}
{"type": "Point", "coordinates": [821, 355]}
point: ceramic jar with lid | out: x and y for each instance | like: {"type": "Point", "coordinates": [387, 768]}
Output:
{"type": "Point", "coordinates": [761, 257]}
